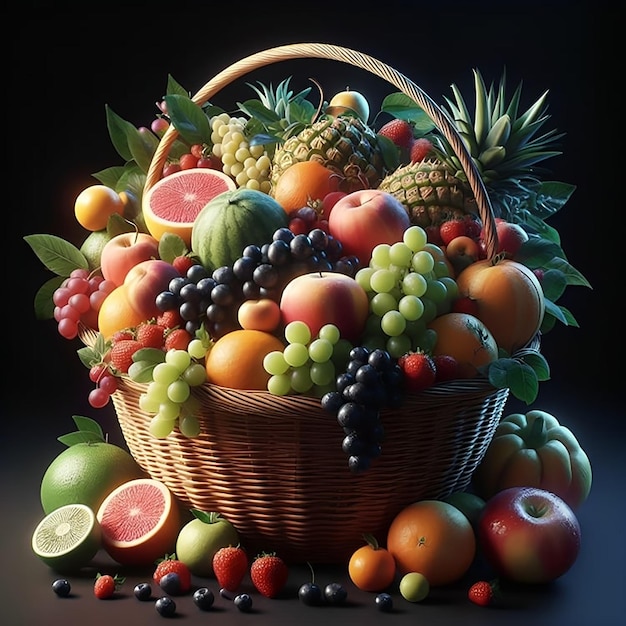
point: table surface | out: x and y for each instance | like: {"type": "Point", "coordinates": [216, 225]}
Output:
{"type": "Point", "coordinates": [84, 62]}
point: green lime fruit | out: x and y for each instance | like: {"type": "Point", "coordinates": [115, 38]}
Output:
{"type": "Point", "coordinates": [85, 473]}
{"type": "Point", "coordinates": [92, 247]}
{"type": "Point", "coordinates": [199, 540]}
{"type": "Point", "coordinates": [469, 504]}
{"type": "Point", "coordinates": [68, 538]}
{"type": "Point", "coordinates": [414, 587]}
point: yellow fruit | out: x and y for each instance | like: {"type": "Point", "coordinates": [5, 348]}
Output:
{"type": "Point", "coordinates": [348, 100]}
{"type": "Point", "coordinates": [95, 204]}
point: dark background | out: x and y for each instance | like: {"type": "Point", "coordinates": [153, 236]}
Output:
{"type": "Point", "coordinates": [65, 65]}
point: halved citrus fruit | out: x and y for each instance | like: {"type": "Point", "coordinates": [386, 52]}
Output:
{"type": "Point", "coordinates": [140, 521]}
{"type": "Point", "coordinates": [172, 204]}
{"type": "Point", "coordinates": [68, 538]}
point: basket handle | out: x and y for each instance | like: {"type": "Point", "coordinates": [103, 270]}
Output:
{"type": "Point", "coordinates": [362, 61]}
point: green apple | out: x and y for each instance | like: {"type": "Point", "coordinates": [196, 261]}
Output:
{"type": "Point", "coordinates": [414, 587]}
{"type": "Point", "coordinates": [199, 540]}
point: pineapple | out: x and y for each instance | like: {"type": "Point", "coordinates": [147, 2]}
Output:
{"type": "Point", "coordinates": [504, 145]}
{"type": "Point", "coordinates": [343, 144]}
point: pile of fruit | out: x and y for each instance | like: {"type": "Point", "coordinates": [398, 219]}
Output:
{"type": "Point", "coordinates": [315, 249]}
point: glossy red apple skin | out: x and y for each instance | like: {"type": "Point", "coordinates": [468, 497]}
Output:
{"type": "Point", "coordinates": [365, 218]}
{"type": "Point", "coordinates": [123, 252]}
{"type": "Point", "coordinates": [321, 298]}
{"type": "Point", "coordinates": [510, 238]}
{"type": "Point", "coordinates": [144, 282]}
{"type": "Point", "coordinates": [529, 535]}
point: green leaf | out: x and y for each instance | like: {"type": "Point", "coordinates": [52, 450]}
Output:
{"type": "Point", "coordinates": [537, 252]}
{"type": "Point", "coordinates": [119, 131]}
{"type": "Point", "coordinates": [203, 516]}
{"type": "Point", "coordinates": [256, 109]}
{"type": "Point", "coordinates": [572, 275]}
{"type": "Point", "coordinates": [142, 146]}
{"type": "Point", "coordinates": [173, 87]}
{"type": "Point", "coordinates": [518, 376]}
{"type": "Point", "coordinates": [400, 106]}
{"type": "Point", "coordinates": [143, 372]}
{"type": "Point", "coordinates": [171, 246]}
{"type": "Point", "coordinates": [44, 306]}
{"type": "Point", "coordinates": [110, 176]}
{"type": "Point", "coordinates": [152, 355]}
{"type": "Point", "coordinates": [58, 255]}
{"type": "Point", "coordinates": [553, 283]}
{"type": "Point", "coordinates": [188, 119]}
{"type": "Point", "coordinates": [554, 310]}
{"type": "Point", "coordinates": [89, 431]}
{"type": "Point", "coordinates": [86, 424]}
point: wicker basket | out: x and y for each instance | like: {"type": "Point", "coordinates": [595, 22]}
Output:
{"type": "Point", "coordinates": [273, 465]}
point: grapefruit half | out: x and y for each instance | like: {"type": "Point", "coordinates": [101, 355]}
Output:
{"type": "Point", "coordinates": [172, 204]}
{"type": "Point", "coordinates": [139, 521]}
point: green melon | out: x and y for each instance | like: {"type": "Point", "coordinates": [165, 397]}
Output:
{"type": "Point", "coordinates": [233, 220]}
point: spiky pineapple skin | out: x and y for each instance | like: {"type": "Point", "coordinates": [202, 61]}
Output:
{"type": "Point", "coordinates": [345, 145]}
{"type": "Point", "coordinates": [430, 192]}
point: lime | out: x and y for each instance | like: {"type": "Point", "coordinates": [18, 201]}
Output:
{"type": "Point", "coordinates": [68, 538]}
{"type": "Point", "coordinates": [85, 473]}
{"type": "Point", "coordinates": [469, 504]}
{"type": "Point", "coordinates": [414, 587]}
{"type": "Point", "coordinates": [92, 247]}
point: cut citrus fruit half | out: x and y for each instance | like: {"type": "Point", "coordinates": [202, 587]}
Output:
{"type": "Point", "coordinates": [140, 521]}
{"type": "Point", "coordinates": [172, 204]}
{"type": "Point", "coordinates": [67, 538]}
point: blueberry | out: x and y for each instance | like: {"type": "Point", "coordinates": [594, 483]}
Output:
{"type": "Point", "coordinates": [203, 598]}
{"type": "Point", "coordinates": [61, 587]}
{"type": "Point", "coordinates": [143, 591]}
{"type": "Point", "coordinates": [384, 602]}
{"type": "Point", "coordinates": [335, 593]}
{"type": "Point", "coordinates": [243, 602]}
{"type": "Point", "coordinates": [170, 583]}
{"type": "Point", "coordinates": [165, 606]}
{"type": "Point", "coordinates": [310, 594]}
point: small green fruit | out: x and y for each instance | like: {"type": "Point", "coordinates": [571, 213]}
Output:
{"type": "Point", "coordinates": [414, 587]}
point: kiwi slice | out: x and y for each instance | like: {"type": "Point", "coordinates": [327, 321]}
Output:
{"type": "Point", "coordinates": [67, 538]}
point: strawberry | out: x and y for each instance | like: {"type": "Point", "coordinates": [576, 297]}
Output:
{"type": "Point", "coordinates": [269, 574]}
{"type": "Point", "coordinates": [121, 354]}
{"type": "Point", "coordinates": [177, 339]}
{"type": "Point", "coordinates": [230, 565]}
{"type": "Point", "coordinates": [120, 335]}
{"type": "Point", "coordinates": [169, 319]}
{"type": "Point", "coordinates": [482, 592]}
{"type": "Point", "coordinates": [446, 368]}
{"type": "Point", "coordinates": [106, 585]}
{"type": "Point", "coordinates": [183, 263]}
{"type": "Point", "coordinates": [171, 565]}
{"type": "Point", "coordinates": [150, 335]}
{"type": "Point", "coordinates": [419, 370]}
{"type": "Point", "coordinates": [450, 229]}
{"type": "Point", "coordinates": [420, 149]}
{"type": "Point", "coordinates": [400, 132]}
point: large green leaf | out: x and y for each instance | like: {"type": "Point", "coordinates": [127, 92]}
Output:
{"type": "Point", "coordinates": [400, 106]}
{"type": "Point", "coordinates": [119, 130]}
{"type": "Point", "coordinates": [188, 119]}
{"type": "Point", "coordinates": [58, 255]}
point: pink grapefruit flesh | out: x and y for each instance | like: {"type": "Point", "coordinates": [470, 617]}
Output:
{"type": "Point", "coordinates": [172, 204]}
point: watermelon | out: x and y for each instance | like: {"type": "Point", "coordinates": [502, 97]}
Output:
{"type": "Point", "coordinates": [233, 220]}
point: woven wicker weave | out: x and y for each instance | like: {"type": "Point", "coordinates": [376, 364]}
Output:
{"type": "Point", "coordinates": [273, 465]}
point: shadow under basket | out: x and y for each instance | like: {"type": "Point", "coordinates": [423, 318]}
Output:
{"type": "Point", "coordinates": [274, 467]}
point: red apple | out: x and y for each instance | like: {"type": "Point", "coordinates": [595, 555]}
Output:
{"type": "Point", "coordinates": [461, 252]}
{"type": "Point", "coordinates": [144, 282]}
{"type": "Point", "coordinates": [123, 252]}
{"type": "Point", "coordinates": [510, 237]}
{"type": "Point", "coordinates": [365, 218]}
{"type": "Point", "coordinates": [529, 535]}
{"type": "Point", "coordinates": [322, 298]}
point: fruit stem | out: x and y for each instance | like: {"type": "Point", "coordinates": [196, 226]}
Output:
{"type": "Point", "coordinates": [535, 434]}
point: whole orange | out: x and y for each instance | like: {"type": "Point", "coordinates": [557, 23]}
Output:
{"type": "Point", "coordinates": [304, 183]}
{"type": "Point", "coordinates": [116, 313]}
{"type": "Point", "coordinates": [95, 204]}
{"type": "Point", "coordinates": [433, 538]}
{"type": "Point", "coordinates": [372, 567]}
{"type": "Point", "coordinates": [467, 339]}
{"type": "Point", "coordinates": [235, 360]}
{"type": "Point", "coordinates": [509, 299]}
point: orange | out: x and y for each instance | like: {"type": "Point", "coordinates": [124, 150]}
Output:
{"type": "Point", "coordinates": [95, 204]}
{"type": "Point", "coordinates": [372, 567]}
{"type": "Point", "coordinates": [303, 184]}
{"type": "Point", "coordinates": [140, 521]}
{"type": "Point", "coordinates": [172, 204]}
{"type": "Point", "coordinates": [433, 538]}
{"type": "Point", "coordinates": [467, 339]}
{"type": "Point", "coordinates": [236, 359]}
{"type": "Point", "coordinates": [116, 313]}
